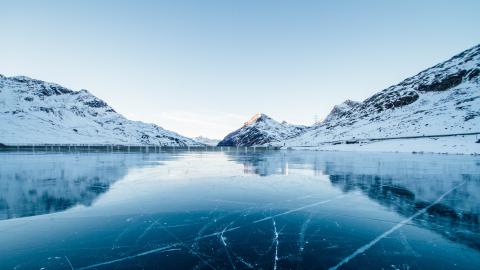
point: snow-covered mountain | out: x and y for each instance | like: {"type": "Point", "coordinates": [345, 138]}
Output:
{"type": "Point", "coordinates": [444, 99]}
{"type": "Point", "coordinates": [341, 109]}
{"type": "Point", "coordinates": [34, 111]}
{"type": "Point", "coordinates": [261, 130]}
{"type": "Point", "coordinates": [206, 141]}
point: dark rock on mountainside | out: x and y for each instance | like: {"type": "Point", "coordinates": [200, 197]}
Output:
{"type": "Point", "coordinates": [446, 83]}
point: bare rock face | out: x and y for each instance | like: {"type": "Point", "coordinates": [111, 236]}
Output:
{"type": "Point", "coordinates": [34, 111]}
{"type": "Point", "coordinates": [449, 81]}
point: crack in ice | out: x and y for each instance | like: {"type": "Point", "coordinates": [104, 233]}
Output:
{"type": "Point", "coordinates": [147, 229]}
{"type": "Point", "coordinates": [201, 237]}
{"type": "Point", "coordinates": [391, 230]}
{"type": "Point", "coordinates": [222, 239]}
{"type": "Point", "coordinates": [152, 251]}
{"type": "Point", "coordinates": [194, 252]}
{"type": "Point", "coordinates": [301, 236]}
{"type": "Point", "coordinates": [69, 263]}
{"type": "Point", "coordinates": [247, 264]}
{"type": "Point", "coordinates": [299, 208]}
{"type": "Point", "coordinates": [275, 240]}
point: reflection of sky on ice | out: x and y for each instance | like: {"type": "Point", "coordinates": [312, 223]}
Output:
{"type": "Point", "coordinates": [229, 210]}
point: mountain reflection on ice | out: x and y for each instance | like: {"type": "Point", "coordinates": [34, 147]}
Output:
{"type": "Point", "coordinates": [39, 184]}
{"type": "Point", "coordinates": [237, 210]}
{"type": "Point", "coordinates": [403, 183]}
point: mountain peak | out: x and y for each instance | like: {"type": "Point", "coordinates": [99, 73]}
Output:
{"type": "Point", "coordinates": [258, 117]}
{"type": "Point", "coordinates": [261, 130]}
{"type": "Point", "coordinates": [340, 109]}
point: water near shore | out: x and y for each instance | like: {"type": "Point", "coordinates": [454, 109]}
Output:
{"type": "Point", "coordinates": [237, 210]}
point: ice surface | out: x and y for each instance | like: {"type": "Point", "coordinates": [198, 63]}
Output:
{"type": "Point", "coordinates": [237, 210]}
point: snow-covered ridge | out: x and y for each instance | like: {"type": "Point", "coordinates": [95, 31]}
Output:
{"type": "Point", "coordinates": [34, 111]}
{"type": "Point", "coordinates": [261, 130]}
{"type": "Point", "coordinates": [444, 99]}
{"type": "Point", "coordinates": [206, 141]}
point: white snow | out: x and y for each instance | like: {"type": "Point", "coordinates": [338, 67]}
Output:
{"type": "Point", "coordinates": [444, 99]}
{"type": "Point", "coordinates": [389, 113]}
{"type": "Point", "coordinates": [206, 140]}
{"type": "Point", "coordinates": [38, 112]}
{"type": "Point", "coordinates": [447, 145]}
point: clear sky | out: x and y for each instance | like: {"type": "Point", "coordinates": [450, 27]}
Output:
{"type": "Point", "coordinates": [204, 67]}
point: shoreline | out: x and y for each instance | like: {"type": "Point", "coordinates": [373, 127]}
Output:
{"type": "Point", "coordinates": [459, 145]}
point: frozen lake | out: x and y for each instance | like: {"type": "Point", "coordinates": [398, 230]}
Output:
{"type": "Point", "coordinates": [237, 210]}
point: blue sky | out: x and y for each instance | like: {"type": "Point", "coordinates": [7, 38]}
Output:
{"type": "Point", "coordinates": [205, 67]}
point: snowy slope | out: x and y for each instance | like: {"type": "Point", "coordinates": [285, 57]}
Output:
{"type": "Point", "coordinates": [34, 111]}
{"type": "Point", "coordinates": [261, 130]}
{"type": "Point", "coordinates": [444, 99]}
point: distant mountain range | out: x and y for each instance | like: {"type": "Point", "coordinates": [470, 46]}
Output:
{"type": "Point", "coordinates": [34, 111]}
{"type": "Point", "coordinates": [444, 99]}
{"type": "Point", "coordinates": [206, 141]}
